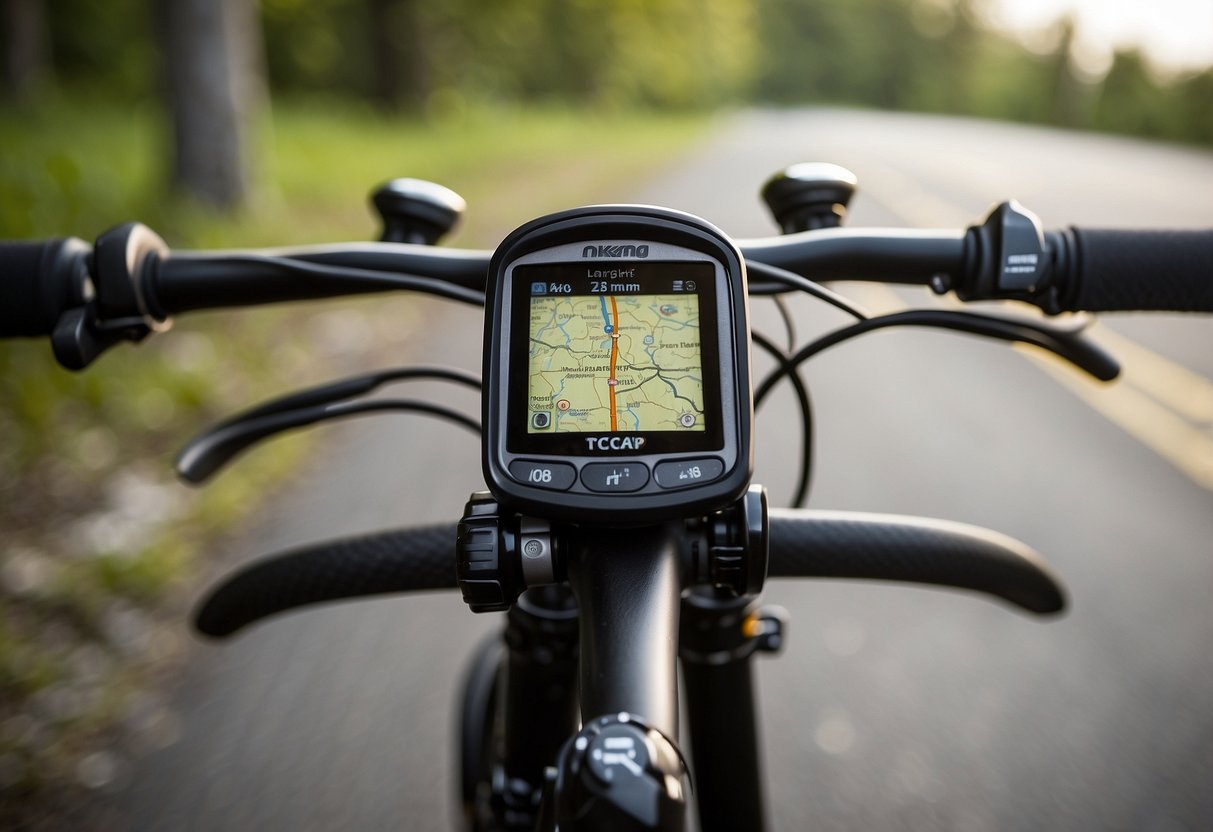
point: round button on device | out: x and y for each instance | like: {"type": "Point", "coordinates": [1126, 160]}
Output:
{"type": "Point", "coordinates": [621, 477]}
{"type": "Point", "coordinates": [684, 473]}
{"type": "Point", "coordinates": [557, 476]}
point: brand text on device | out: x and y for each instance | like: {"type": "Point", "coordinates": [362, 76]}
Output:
{"type": "Point", "coordinates": [614, 443]}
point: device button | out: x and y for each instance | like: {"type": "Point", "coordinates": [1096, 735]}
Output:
{"type": "Point", "coordinates": [684, 473]}
{"type": "Point", "coordinates": [557, 476]}
{"type": "Point", "coordinates": [620, 477]}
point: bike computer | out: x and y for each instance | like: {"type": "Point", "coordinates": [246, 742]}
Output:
{"type": "Point", "coordinates": [617, 367]}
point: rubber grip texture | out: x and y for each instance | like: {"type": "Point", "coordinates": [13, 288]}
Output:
{"type": "Point", "coordinates": [884, 547]}
{"type": "Point", "coordinates": [24, 311]}
{"type": "Point", "coordinates": [1141, 270]}
{"type": "Point", "coordinates": [398, 561]}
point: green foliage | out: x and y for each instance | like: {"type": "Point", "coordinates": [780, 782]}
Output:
{"type": "Point", "coordinates": [934, 55]}
{"type": "Point", "coordinates": [106, 46]}
{"type": "Point", "coordinates": [308, 45]}
{"type": "Point", "coordinates": [68, 166]}
{"type": "Point", "coordinates": [939, 55]}
{"type": "Point", "coordinates": [1130, 100]}
{"type": "Point", "coordinates": [611, 52]}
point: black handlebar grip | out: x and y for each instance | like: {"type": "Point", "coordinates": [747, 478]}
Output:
{"type": "Point", "coordinates": [881, 547]}
{"type": "Point", "coordinates": [1140, 270]}
{"type": "Point", "coordinates": [38, 283]}
{"type": "Point", "coordinates": [408, 560]}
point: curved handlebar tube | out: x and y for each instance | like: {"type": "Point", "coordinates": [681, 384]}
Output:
{"type": "Point", "coordinates": [803, 544]}
{"type": "Point", "coordinates": [409, 560]}
{"type": "Point", "coordinates": [887, 547]}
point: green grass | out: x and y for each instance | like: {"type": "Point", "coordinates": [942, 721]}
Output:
{"type": "Point", "coordinates": [95, 530]}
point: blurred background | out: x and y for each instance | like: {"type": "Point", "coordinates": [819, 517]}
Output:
{"type": "Point", "coordinates": [240, 123]}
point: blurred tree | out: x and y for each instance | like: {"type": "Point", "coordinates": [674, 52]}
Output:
{"type": "Point", "coordinates": [1194, 97]}
{"type": "Point", "coordinates": [953, 61]}
{"type": "Point", "coordinates": [214, 85]}
{"type": "Point", "coordinates": [617, 53]}
{"type": "Point", "coordinates": [1126, 100]}
{"type": "Point", "coordinates": [401, 78]}
{"type": "Point", "coordinates": [862, 51]}
{"type": "Point", "coordinates": [1071, 95]}
{"type": "Point", "coordinates": [105, 51]}
{"type": "Point", "coordinates": [26, 47]}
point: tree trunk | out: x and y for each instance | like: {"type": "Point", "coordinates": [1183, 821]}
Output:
{"type": "Point", "coordinates": [214, 81]}
{"type": "Point", "coordinates": [400, 55]}
{"type": "Point", "coordinates": [26, 52]}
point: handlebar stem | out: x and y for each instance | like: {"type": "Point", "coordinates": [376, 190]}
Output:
{"type": "Point", "coordinates": [627, 586]}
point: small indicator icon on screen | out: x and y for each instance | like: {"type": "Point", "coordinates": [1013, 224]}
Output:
{"type": "Point", "coordinates": [539, 288]}
{"type": "Point", "coordinates": [677, 285]}
{"type": "Point", "coordinates": [690, 285]}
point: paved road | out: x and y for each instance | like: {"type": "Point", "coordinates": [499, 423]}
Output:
{"type": "Point", "coordinates": [891, 708]}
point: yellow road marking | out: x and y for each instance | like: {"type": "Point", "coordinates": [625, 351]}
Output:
{"type": "Point", "coordinates": [1187, 393]}
{"type": "Point", "coordinates": [1153, 423]}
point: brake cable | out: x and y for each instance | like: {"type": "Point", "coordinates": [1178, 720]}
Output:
{"type": "Point", "coordinates": [785, 314]}
{"type": "Point", "coordinates": [359, 385]}
{"type": "Point", "coordinates": [783, 280]}
{"type": "Point", "coordinates": [792, 374]}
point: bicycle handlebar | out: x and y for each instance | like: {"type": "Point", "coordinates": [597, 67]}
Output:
{"type": "Point", "coordinates": [129, 283]}
{"type": "Point", "coordinates": [408, 560]}
{"type": "Point", "coordinates": [803, 544]}
{"type": "Point", "coordinates": [191, 281]}
{"type": "Point", "coordinates": [1092, 270]}
{"type": "Point", "coordinates": [887, 255]}
{"type": "Point", "coordinates": [887, 547]}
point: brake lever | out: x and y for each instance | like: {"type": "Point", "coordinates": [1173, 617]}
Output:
{"type": "Point", "coordinates": [211, 450]}
{"type": "Point", "coordinates": [1066, 340]}
{"type": "Point", "coordinates": [348, 388]}
{"type": "Point", "coordinates": [206, 453]}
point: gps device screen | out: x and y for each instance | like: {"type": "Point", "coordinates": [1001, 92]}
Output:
{"type": "Point", "coordinates": [619, 350]}
{"type": "Point", "coordinates": [617, 368]}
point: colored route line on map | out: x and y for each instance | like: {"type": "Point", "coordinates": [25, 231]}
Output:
{"type": "Point", "coordinates": [612, 383]}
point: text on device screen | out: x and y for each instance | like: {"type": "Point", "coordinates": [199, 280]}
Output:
{"type": "Point", "coordinates": [616, 350]}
